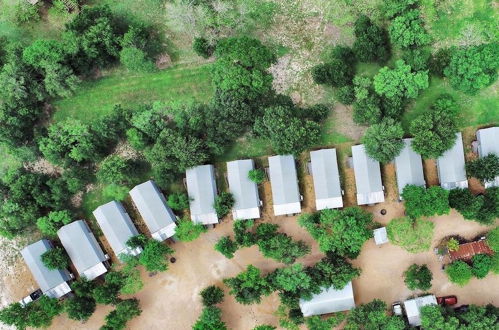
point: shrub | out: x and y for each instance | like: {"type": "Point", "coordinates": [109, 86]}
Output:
{"type": "Point", "coordinates": [383, 141]}
{"type": "Point", "coordinates": [407, 30]}
{"type": "Point", "coordinates": [346, 94]}
{"type": "Point", "coordinates": [211, 318]}
{"type": "Point", "coordinates": [371, 41]}
{"type": "Point", "coordinates": [134, 59]}
{"type": "Point", "coordinates": [202, 47]}
{"type": "Point", "coordinates": [256, 175]}
{"type": "Point", "coordinates": [50, 223]}
{"type": "Point", "coordinates": [392, 8]}
{"type": "Point", "coordinates": [452, 244]}
{"type": "Point", "coordinates": [125, 311]}
{"type": "Point", "coordinates": [418, 59]}
{"type": "Point", "coordinates": [400, 82]}
{"type": "Point", "coordinates": [242, 234]}
{"type": "Point", "coordinates": [421, 202]}
{"type": "Point", "coordinates": [484, 169]}
{"type": "Point", "coordinates": [418, 277]}
{"type": "Point", "coordinates": [178, 201]}
{"type": "Point", "coordinates": [413, 235]}
{"type": "Point", "coordinates": [481, 265]}
{"type": "Point", "coordinates": [466, 203]}
{"type": "Point", "coordinates": [226, 246]}
{"type": "Point", "coordinates": [55, 258]}
{"type": "Point", "coordinates": [25, 12]}
{"type": "Point", "coordinates": [248, 286]}
{"type": "Point", "coordinates": [223, 204]}
{"type": "Point", "coordinates": [80, 308]}
{"type": "Point", "coordinates": [493, 239]}
{"type": "Point", "coordinates": [212, 295]}
{"type": "Point", "coordinates": [439, 61]}
{"type": "Point", "coordinates": [281, 247]}
{"type": "Point", "coordinates": [459, 272]}
{"type": "Point", "coordinates": [187, 230]}
{"type": "Point", "coordinates": [115, 170]}
{"type": "Point", "coordinates": [334, 73]}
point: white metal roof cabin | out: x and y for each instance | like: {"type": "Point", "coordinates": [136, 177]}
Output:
{"type": "Point", "coordinates": [327, 187]}
{"type": "Point", "coordinates": [52, 282]}
{"type": "Point", "coordinates": [117, 227]}
{"type": "Point", "coordinates": [284, 182]}
{"type": "Point", "coordinates": [413, 308]}
{"type": "Point", "coordinates": [488, 143]}
{"type": "Point", "coordinates": [157, 215]}
{"type": "Point", "coordinates": [329, 300]}
{"type": "Point", "coordinates": [245, 191]}
{"type": "Point", "coordinates": [83, 249]}
{"type": "Point", "coordinates": [451, 166]}
{"type": "Point", "coordinates": [367, 177]}
{"type": "Point", "coordinates": [409, 168]}
{"type": "Point", "coordinates": [202, 190]}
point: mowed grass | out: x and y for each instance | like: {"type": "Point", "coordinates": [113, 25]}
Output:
{"type": "Point", "coordinates": [474, 110]}
{"type": "Point", "coordinates": [96, 98]}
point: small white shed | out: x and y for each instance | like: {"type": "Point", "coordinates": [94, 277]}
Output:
{"type": "Point", "coordinates": [380, 236]}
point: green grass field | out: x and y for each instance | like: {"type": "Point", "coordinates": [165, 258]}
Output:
{"type": "Point", "coordinates": [98, 97]}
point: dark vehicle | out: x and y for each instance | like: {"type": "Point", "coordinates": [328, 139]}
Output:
{"type": "Point", "coordinates": [462, 309]}
{"type": "Point", "coordinates": [447, 300]}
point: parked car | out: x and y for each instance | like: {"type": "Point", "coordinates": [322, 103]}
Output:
{"type": "Point", "coordinates": [33, 296]}
{"type": "Point", "coordinates": [397, 308]}
{"type": "Point", "coordinates": [447, 300]}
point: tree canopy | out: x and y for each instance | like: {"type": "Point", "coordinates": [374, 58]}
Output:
{"type": "Point", "coordinates": [383, 141]}
{"type": "Point", "coordinates": [249, 286]}
{"type": "Point", "coordinates": [476, 317]}
{"type": "Point", "coordinates": [373, 315]}
{"type": "Point", "coordinates": [418, 277]}
{"type": "Point", "coordinates": [485, 168]}
{"type": "Point", "coordinates": [425, 202]}
{"type": "Point", "coordinates": [414, 235]}
{"type": "Point", "coordinates": [407, 30]}
{"type": "Point", "coordinates": [459, 272]}
{"type": "Point", "coordinates": [400, 82]}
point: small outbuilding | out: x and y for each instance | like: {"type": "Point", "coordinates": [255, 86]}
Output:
{"type": "Point", "coordinates": [53, 282]}
{"type": "Point", "coordinates": [284, 182]}
{"type": "Point", "coordinates": [329, 300]}
{"type": "Point", "coordinates": [245, 192]}
{"type": "Point", "coordinates": [367, 177]}
{"type": "Point", "coordinates": [83, 249]}
{"type": "Point", "coordinates": [409, 168]}
{"type": "Point", "coordinates": [154, 210]}
{"type": "Point", "coordinates": [327, 187]}
{"type": "Point", "coordinates": [380, 236]}
{"type": "Point", "coordinates": [451, 166]}
{"type": "Point", "coordinates": [488, 143]}
{"type": "Point", "coordinates": [202, 190]}
{"type": "Point", "coordinates": [117, 227]}
{"type": "Point", "coordinates": [413, 308]}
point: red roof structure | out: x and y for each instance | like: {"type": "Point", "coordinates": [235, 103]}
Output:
{"type": "Point", "coordinates": [468, 250]}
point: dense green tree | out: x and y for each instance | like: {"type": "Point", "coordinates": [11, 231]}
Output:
{"type": "Point", "coordinates": [418, 59]}
{"type": "Point", "coordinates": [226, 246]}
{"type": "Point", "coordinates": [316, 322]}
{"type": "Point", "coordinates": [434, 132]}
{"type": "Point", "coordinates": [107, 293]}
{"type": "Point", "coordinates": [425, 202]}
{"type": "Point", "coordinates": [373, 315]}
{"type": "Point", "coordinates": [279, 246]}
{"type": "Point", "coordinates": [439, 61]}
{"type": "Point", "coordinates": [223, 203]}
{"type": "Point", "coordinates": [333, 73]}
{"type": "Point", "coordinates": [178, 201]}
{"type": "Point", "coordinates": [154, 255]}
{"type": "Point", "coordinates": [242, 233]}
{"type": "Point", "coordinates": [339, 231]}
{"type": "Point", "coordinates": [288, 134]}
{"type": "Point", "coordinates": [418, 277]}
{"type": "Point", "coordinates": [481, 265]}
{"type": "Point", "coordinates": [210, 319]}
{"type": "Point", "coordinates": [392, 8]}
{"type": "Point", "coordinates": [473, 68]}
{"type": "Point", "coordinates": [292, 279]}
{"type": "Point", "coordinates": [50, 223]}
{"type": "Point", "coordinates": [400, 82]}
{"type": "Point", "coordinates": [136, 60]}
{"type": "Point", "coordinates": [248, 286]}
{"type": "Point", "coordinates": [264, 327]}
{"type": "Point", "coordinates": [413, 235]}
{"type": "Point", "coordinates": [407, 30]}
{"type": "Point", "coordinates": [434, 317]}
{"type": "Point", "coordinates": [80, 308]}
{"type": "Point", "coordinates": [333, 271]}
{"type": "Point", "coordinates": [55, 258]}
{"type": "Point", "coordinates": [202, 47]}
{"type": "Point", "coordinates": [371, 41]}
{"type": "Point", "coordinates": [494, 268]}
{"type": "Point", "coordinates": [69, 142]}
{"type": "Point", "coordinates": [383, 141]}
{"type": "Point", "coordinates": [490, 209]}
{"type": "Point", "coordinates": [346, 95]}
{"type": "Point", "coordinates": [38, 314]}
{"type": "Point", "coordinates": [83, 287]}
{"type": "Point", "coordinates": [466, 203]}
{"type": "Point", "coordinates": [493, 239]}
{"type": "Point", "coordinates": [125, 311]}
{"type": "Point", "coordinates": [115, 169]}
{"type": "Point", "coordinates": [127, 280]}
{"type": "Point", "coordinates": [212, 295]}
{"type": "Point", "coordinates": [241, 67]}
{"type": "Point", "coordinates": [475, 318]}
{"type": "Point", "coordinates": [187, 230]}
{"type": "Point", "coordinates": [459, 272]}
{"type": "Point", "coordinates": [485, 168]}
{"type": "Point", "coordinates": [256, 175]}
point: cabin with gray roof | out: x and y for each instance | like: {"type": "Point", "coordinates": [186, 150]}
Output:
{"type": "Point", "coordinates": [488, 143]}
{"type": "Point", "coordinates": [367, 177]}
{"type": "Point", "coordinates": [245, 191]}
{"type": "Point", "coordinates": [117, 227]}
{"type": "Point", "coordinates": [52, 282]}
{"type": "Point", "coordinates": [409, 168]}
{"type": "Point", "coordinates": [451, 166]}
{"type": "Point", "coordinates": [202, 191]}
{"type": "Point", "coordinates": [83, 249]}
{"type": "Point", "coordinates": [327, 187]}
{"type": "Point", "coordinates": [284, 182]}
{"type": "Point", "coordinates": [329, 300]}
{"type": "Point", "coordinates": [154, 210]}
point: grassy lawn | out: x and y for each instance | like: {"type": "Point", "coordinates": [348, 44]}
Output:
{"type": "Point", "coordinates": [476, 110]}
{"type": "Point", "coordinates": [97, 98]}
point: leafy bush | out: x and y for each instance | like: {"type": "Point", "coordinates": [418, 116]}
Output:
{"type": "Point", "coordinates": [481, 265]}
{"type": "Point", "coordinates": [346, 94]}
{"type": "Point", "coordinates": [242, 234]}
{"type": "Point", "coordinates": [400, 82]}
{"type": "Point", "coordinates": [373, 315]}
{"type": "Point", "coordinates": [223, 204]}
{"type": "Point", "coordinates": [25, 12]}
{"type": "Point", "coordinates": [248, 286]}
{"type": "Point", "coordinates": [80, 308]}
{"type": "Point", "coordinates": [459, 272]}
{"type": "Point", "coordinates": [484, 168]}
{"type": "Point", "coordinates": [371, 41]}
{"type": "Point", "coordinates": [407, 30]}
{"type": "Point", "coordinates": [125, 311]}
{"type": "Point", "coordinates": [50, 223]}
{"type": "Point", "coordinates": [212, 295]}
{"type": "Point", "coordinates": [418, 59]}
{"type": "Point", "coordinates": [256, 175]}
{"type": "Point", "coordinates": [418, 277]}
{"type": "Point", "coordinates": [392, 8]}
{"type": "Point", "coordinates": [383, 141]}
{"type": "Point", "coordinates": [226, 246]}
{"type": "Point", "coordinates": [187, 231]}
{"type": "Point", "coordinates": [493, 239]}
{"type": "Point", "coordinates": [55, 258]}
{"type": "Point", "coordinates": [439, 61]}
{"type": "Point", "coordinates": [465, 202]}
{"type": "Point", "coordinates": [115, 170]}
{"type": "Point", "coordinates": [136, 60]}
{"type": "Point", "coordinates": [279, 246]}
{"type": "Point", "coordinates": [154, 254]}
{"type": "Point", "coordinates": [38, 314]}
{"type": "Point", "coordinates": [211, 318]}
{"type": "Point", "coordinates": [452, 244]}
{"type": "Point", "coordinates": [425, 202]}
{"type": "Point", "coordinates": [333, 73]}
{"type": "Point", "coordinates": [178, 201]}
{"type": "Point", "coordinates": [413, 235]}
{"type": "Point", "coordinates": [202, 47]}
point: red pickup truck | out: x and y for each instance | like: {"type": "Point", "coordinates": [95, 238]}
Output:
{"type": "Point", "coordinates": [447, 300]}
